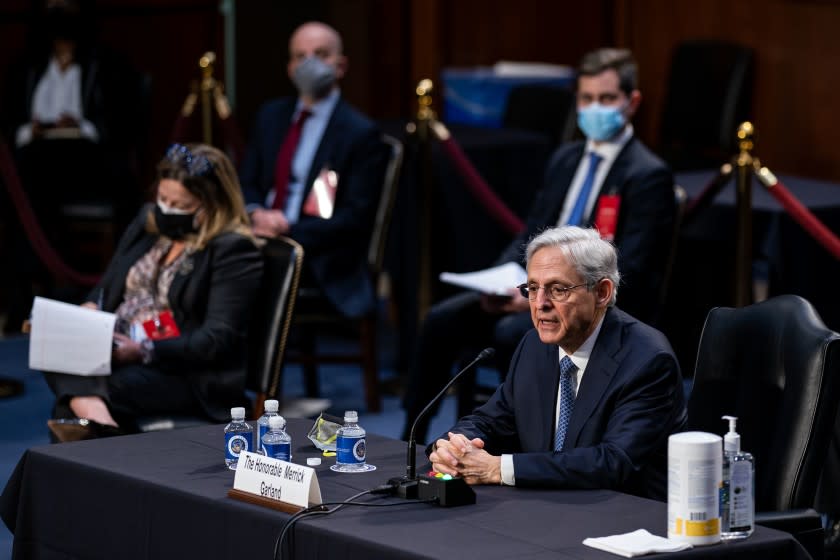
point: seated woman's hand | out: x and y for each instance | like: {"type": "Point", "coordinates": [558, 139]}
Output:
{"type": "Point", "coordinates": [125, 351]}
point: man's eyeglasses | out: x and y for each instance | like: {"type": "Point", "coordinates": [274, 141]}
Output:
{"type": "Point", "coordinates": [555, 292]}
{"type": "Point", "coordinates": [196, 165]}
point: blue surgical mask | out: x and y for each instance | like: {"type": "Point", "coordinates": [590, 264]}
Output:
{"type": "Point", "coordinates": [600, 123]}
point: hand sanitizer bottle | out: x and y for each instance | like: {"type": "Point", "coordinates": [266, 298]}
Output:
{"type": "Point", "coordinates": [737, 501]}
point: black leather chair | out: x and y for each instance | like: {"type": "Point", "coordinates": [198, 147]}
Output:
{"type": "Point", "coordinates": [709, 93]}
{"type": "Point", "coordinates": [267, 334]}
{"type": "Point", "coordinates": [549, 110]}
{"type": "Point", "coordinates": [776, 367]}
{"type": "Point", "coordinates": [310, 324]}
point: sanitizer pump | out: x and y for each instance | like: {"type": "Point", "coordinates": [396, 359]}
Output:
{"type": "Point", "coordinates": [737, 495]}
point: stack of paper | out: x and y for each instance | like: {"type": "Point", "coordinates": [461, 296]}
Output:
{"type": "Point", "coordinates": [499, 280]}
{"type": "Point", "coordinates": [68, 338]}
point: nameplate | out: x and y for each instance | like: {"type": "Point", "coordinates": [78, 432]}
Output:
{"type": "Point", "coordinates": [277, 480]}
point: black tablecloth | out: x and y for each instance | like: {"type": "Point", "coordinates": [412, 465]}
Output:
{"type": "Point", "coordinates": [164, 495]}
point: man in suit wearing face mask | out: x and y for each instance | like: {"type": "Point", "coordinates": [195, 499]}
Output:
{"type": "Point", "coordinates": [317, 136]}
{"type": "Point", "coordinates": [610, 171]}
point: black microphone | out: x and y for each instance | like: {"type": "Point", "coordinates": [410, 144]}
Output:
{"type": "Point", "coordinates": [406, 487]}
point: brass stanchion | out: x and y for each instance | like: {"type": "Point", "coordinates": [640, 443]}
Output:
{"type": "Point", "coordinates": [745, 164]}
{"type": "Point", "coordinates": [208, 88]}
{"type": "Point", "coordinates": [420, 128]}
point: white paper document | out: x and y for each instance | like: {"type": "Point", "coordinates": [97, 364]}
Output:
{"type": "Point", "coordinates": [68, 338]}
{"type": "Point", "coordinates": [498, 280]}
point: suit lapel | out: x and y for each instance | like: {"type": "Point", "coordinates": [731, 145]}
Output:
{"type": "Point", "coordinates": [332, 134]}
{"type": "Point", "coordinates": [615, 178]}
{"type": "Point", "coordinates": [602, 366]}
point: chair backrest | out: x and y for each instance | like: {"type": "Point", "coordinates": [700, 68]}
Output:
{"type": "Point", "coordinates": [379, 237]}
{"type": "Point", "coordinates": [709, 93]}
{"type": "Point", "coordinates": [776, 367]}
{"type": "Point", "coordinates": [269, 329]}
{"type": "Point", "coordinates": [549, 110]}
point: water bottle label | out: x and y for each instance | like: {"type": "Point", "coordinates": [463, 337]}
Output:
{"type": "Point", "coordinates": [236, 443]}
{"type": "Point", "coordinates": [282, 451]}
{"type": "Point", "coordinates": [350, 449]}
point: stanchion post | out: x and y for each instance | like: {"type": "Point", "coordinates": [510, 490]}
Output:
{"type": "Point", "coordinates": [208, 87]}
{"type": "Point", "coordinates": [743, 206]}
{"type": "Point", "coordinates": [425, 116]}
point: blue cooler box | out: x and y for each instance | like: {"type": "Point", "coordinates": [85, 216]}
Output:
{"type": "Point", "coordinates": [478, 96]}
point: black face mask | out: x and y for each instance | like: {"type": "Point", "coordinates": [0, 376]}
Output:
{"type": "Point", "coordinates": [174, 226]}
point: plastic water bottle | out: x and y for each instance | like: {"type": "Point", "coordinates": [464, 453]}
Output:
{"type": "Point", "coordinates": [271, 407]}
{"type": "Point", "coordinates": [351, 446]}
{"type": "Point", "coordinates": [276, 443]}
{"type": "Point", "coordinates": [239, 437]}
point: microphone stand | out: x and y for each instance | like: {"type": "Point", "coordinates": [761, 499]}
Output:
{"type": "Point", "coordinates": [406, 486]}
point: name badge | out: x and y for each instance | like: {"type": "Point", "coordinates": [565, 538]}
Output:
{"type": "Point", "coordinates": [277, 480]}
{"type": "Point", "coordinates": [606, 215]}
{"type": "Point", "coordinates": [321, 199]}
{"type": "Point", "coordinates": [161, 327]}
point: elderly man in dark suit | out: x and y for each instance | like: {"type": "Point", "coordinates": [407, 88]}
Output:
{"type": "Point", "coordinates": [611, 173]}
{"type": "Point", "coordinates": [317, 137]}
{"type": "Point", "coordinates": [592, 393]}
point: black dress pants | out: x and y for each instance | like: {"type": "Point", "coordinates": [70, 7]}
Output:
{"type": "Point", "coordinates": [131, 391]}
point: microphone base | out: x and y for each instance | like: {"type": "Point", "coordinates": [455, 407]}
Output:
{"type": "Point", "coordinates": [448, 493]}
{"type": "Point", "coordinates": [405, 488]}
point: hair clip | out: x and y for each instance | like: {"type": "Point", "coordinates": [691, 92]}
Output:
{"type": "Point", "coordinates": [196, 165]}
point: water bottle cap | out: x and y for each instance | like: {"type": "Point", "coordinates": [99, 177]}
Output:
{"type": "Point", "coordinates": [351, 416]}
{"type": "Point", "coordinates": [237, 412]}
{"type": "Point", "coordinates": [276, 422]}
{"type": "Point", "coordinates": [313, 461]}
{"type": "Point", "coordinates": [271, 405]}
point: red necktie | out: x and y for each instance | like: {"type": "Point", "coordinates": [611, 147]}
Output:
{"type": "Point", "coordinates": [283, 165]}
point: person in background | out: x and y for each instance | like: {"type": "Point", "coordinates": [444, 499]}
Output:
{"type": "Point", "coordinates": [182, 285]}
{"type": "Point", "coordinates": [592, 393]}
{"type": "Point", "coordinates": [611, 170]}
{"type": "Point", "coordinates": [317, 137]}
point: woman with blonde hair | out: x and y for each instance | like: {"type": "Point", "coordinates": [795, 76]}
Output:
{"type": "Point", "coordinates": [182, 284]}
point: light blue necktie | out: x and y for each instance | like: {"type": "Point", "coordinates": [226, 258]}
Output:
{"type": "Point", "coordinates": [576, 217]}
{"type": "Point", "coordinates": [567, 401]}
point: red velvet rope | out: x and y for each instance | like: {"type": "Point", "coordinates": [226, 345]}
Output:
{"type": "Point", "coordinates": [806, 219]}
{"type": "Point", "coordinates": [37, 238]}
{"type": "Point", "coordinates": [479, 188]}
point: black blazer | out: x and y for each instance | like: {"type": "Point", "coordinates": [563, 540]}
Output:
{"type": "Point", "coordinates": [645, 220]}
{"type": "Point", "coordinates": [629, 401]}
{"type": "Point", "coordinates": [211, 298]}
{"type": "Point", "coordinates": [335, 249]}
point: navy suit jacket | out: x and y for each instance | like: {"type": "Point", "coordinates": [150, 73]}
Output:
{"type": "Point", "coordinates": [645, 219]}
{"type": "Point", "coordinates": [335, 249]}
{"type": "Point", "coordinates": [211, 297]}
{"type": "Point", "coordinates": [629, 401]}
